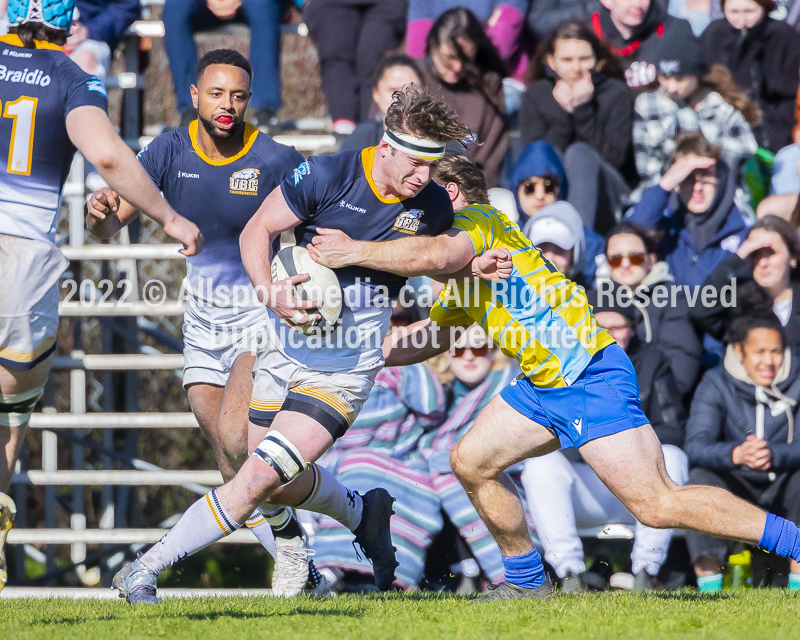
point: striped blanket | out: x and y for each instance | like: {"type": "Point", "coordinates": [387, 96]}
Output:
{"type": "Point", "coordinates": [419, 476]}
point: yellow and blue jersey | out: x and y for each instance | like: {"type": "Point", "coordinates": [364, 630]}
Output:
{"type": "Point", "coordinates": [537, 315]}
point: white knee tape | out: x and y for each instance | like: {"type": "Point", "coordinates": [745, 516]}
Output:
{"type": "Point", "coordinates": [16, 409]}
{"type": "Point", "coordinates": [280, 454]}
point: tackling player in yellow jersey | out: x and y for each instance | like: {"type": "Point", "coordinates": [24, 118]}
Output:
{"type": "Point", "coordinates": [578, 387]}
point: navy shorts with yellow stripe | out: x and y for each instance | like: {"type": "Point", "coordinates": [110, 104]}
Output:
{"type": "Point", "coordinates": [334, 399]}
{"type": "Point", "coordinates": [604, 400]}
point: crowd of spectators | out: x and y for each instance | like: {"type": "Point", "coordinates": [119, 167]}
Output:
{"type": "Point", "coordinates": [644, 146]}
{"type": "Point", "coordinates": [636, 141]}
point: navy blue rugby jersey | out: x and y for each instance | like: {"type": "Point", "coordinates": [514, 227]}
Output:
{"type": "Point", "coordinates": [38, 88]}
{"type": "Point", "coordinates": [337, 192]}
{"type": "Point", "coordinates": [219, 196]}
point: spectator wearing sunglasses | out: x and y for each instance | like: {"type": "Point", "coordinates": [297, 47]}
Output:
{"type": "Point", "coordinates": [539, 180]}
{"type": "Point", "coordinates": [693, 208]}
{"type": "Point", "coordinates": [578, 101]}
{"type": "Point", "coordinates": [632, 262]}
{"type": "Point", "coordinates": [767, 259]}
{"type": "Point", "coordinates": [564, 494]}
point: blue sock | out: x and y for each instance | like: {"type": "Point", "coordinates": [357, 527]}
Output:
{"type": "Point", "coordinates": [782, 537]}
{"type": "Point", "coordinates": [525, 571]}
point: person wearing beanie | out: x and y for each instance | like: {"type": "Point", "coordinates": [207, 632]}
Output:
{"type": "Point", "coordinates": [558, 231]}
{"type": "Point", "coordinates": [632, 30]}
{"type": "Point", "coordinates": [689, 97]}
{"type": "Point", "coordinates": [763, 54]}
{"type": "Point", "coordinates": [564, 494]}
{"type": "Point", "coordinates": [577, 101]}
{"type": "Point", "coordinates": [741, 433]}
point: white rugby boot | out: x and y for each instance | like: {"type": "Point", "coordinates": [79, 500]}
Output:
{"type": "Point", "coordinates": [8, 511]}
{"type": "Point", "coordinates": [136, 583]}
{"type": "Point", "coordinates": [295, 573]}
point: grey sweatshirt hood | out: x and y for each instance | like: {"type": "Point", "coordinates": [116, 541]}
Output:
{"type": "Point", "coordinates": [568, 216]}
{"type": "Point", "coordinates": [766, 397]}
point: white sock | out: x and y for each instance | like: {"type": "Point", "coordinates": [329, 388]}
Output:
{"type": "Point", "coordinates": [206, 521]}
{"type": "Point", "coordinates": [331, 498]}
{"type": "Point", "coordinates": [258, 524]}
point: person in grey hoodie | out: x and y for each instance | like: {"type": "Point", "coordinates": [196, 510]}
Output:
{"type": "Point", "coordinates": [741, 432]}
{"type": "Point", "coordinates": [559, 232]}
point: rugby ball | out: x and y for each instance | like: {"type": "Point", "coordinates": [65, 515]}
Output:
{"type": "Point", "coordinates": [322, 285]}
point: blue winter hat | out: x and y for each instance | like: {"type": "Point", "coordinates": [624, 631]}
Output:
{"type": "Point", "coordinates": [56, 14]}
{"type": "Point", "coordinates": [538, 159]}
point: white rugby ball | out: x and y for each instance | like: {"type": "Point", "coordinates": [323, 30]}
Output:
{"type": "Point", "coordinates": [323, 285]}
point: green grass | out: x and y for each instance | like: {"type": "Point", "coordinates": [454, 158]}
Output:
{"type": "Point", "coordinates": [768, 614]}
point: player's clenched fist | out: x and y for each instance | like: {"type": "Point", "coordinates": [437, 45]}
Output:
{"type": "Point", "coordinates": [494, 264]}
{"type": "Point", "coordinates": [103, 202]}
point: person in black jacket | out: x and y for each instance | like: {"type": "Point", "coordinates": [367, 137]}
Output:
{"type": "Point", "coordinates": [769, 259]}
{"type": "Point", "coordinates": [632, 30]}
{"type": "Point", "coordinates": [763, 55]}
{"type": "Point", "coordinates": [564, 494]}
{"type": "Point", "coordinates": [632, 262]}
{"type": "Point", "coordinates": [578, 102]}
{"type": "Point", "coordinates": [740, 434]}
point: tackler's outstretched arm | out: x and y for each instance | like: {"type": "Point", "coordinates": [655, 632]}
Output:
{"type": "Point", "coordinates": [443, 257]}
{"type": "Point", "coordinates": [416, 343]}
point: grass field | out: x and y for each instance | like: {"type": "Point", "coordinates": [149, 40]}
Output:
{"type": "Point", "coordinates": [768, 614]}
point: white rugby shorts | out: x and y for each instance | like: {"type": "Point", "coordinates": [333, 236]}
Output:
{"type": "Point", "coordinates": [210, 348]}
{"type": "Point", "coordinates": [334, 399]}
{"type": "Point", "coordinates": [29, 272]}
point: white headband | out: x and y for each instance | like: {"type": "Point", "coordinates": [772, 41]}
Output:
{"type": "Point", "coordinates": [419, 147]}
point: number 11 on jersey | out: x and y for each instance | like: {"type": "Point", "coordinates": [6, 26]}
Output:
{"type": "Point", "coordinates": [20, 148]}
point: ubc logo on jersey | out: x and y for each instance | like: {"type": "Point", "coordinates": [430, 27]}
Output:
{"type": "Point", "coordinates": [245, 182]}
{"type": "Point", "coordinates": [408, 221]}
{"type": "Point", "coordinates": [300, 172]}
{"type": "Point", "coordinates": [95, 84]}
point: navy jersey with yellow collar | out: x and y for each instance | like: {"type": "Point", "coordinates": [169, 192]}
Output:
{"type": "Point", "coordinates": [38, 89]}
{"type": "Point", "coordinates": [219, 196]}
{"type": "Point", "coordinates": [337, 192]}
